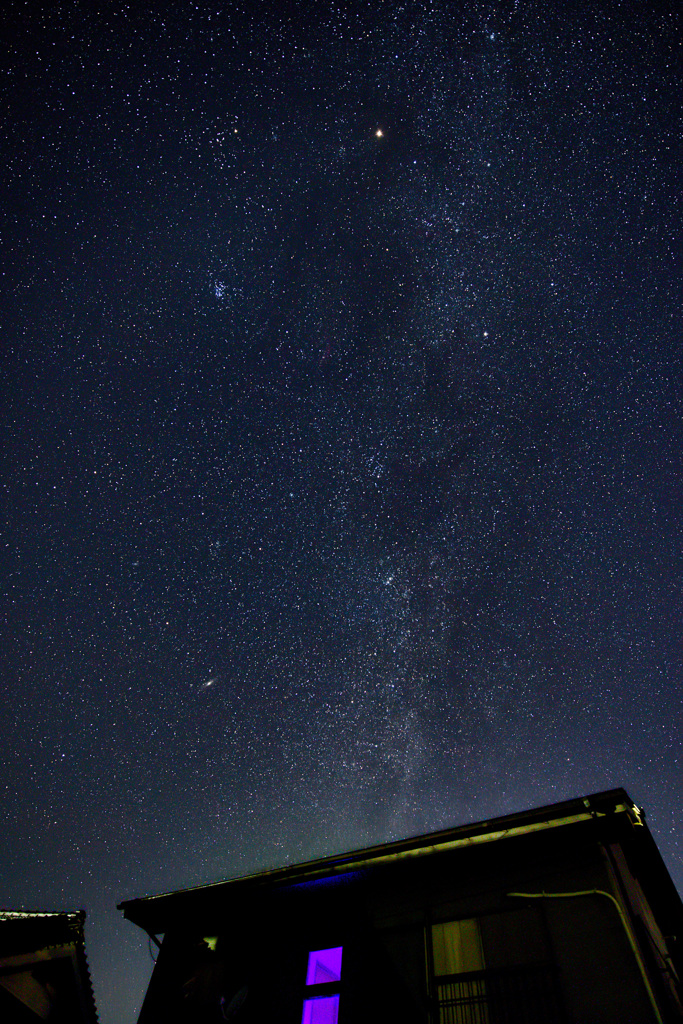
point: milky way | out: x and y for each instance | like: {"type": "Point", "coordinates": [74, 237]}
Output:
{"type": "Point", "coordinates": [342, 470]}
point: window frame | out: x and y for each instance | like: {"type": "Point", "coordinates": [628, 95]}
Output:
{"type": "Point", "coordinates": [321, 989]}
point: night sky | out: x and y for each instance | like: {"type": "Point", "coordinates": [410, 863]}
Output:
{"type": "Point", "coordinates": [342, 445]}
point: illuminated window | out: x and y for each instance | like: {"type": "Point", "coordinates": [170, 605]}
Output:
{"type": "Point", "coordinates": [492, 968]}
{"type": "Point", "coordinates": [458, 965]}
{"type": "Point", "coordinates": [321, 1010]}
{"type": "Point", "coordinates": [323, 976]}
{"type": "Point", "coordinates": [457, 947]}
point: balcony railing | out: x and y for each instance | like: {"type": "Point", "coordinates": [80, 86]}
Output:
{"type": "Point", "coordinates": [519, 995]}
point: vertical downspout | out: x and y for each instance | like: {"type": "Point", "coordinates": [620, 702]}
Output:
{"type": "Point", "coordinates": [625, 925]}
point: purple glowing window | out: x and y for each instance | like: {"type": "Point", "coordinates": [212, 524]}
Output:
{"type": "Point", "coordinates": [323, 1010]}
{"type": "Point", "coordinates": [324, 965]}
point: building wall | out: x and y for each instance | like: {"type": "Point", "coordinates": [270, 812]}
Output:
{"type": "Point", "coordinates": [381, 918]}
{"type": "Point", "coordinates": [600, 978]}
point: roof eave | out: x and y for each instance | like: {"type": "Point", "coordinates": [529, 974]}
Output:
{"type": "Point", "coordinates": [151, 912]}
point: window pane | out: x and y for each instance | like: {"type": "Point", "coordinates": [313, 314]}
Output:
{"type": "Point", "coordinates": [324, 965]}
{"type": "Point", "coordinates": [324, 1010]}
{"type": "Point", "coordinates": [457, 947]}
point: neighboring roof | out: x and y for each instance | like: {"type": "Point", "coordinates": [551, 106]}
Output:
{"type": "Point", "coordinates": [28, 930]}
{"type": "Point", "coordinates": [28, 938]}
{"type": "Point", "coordinates": [32, 915]}
{"type": "Point", "coordinates": [153, 913]}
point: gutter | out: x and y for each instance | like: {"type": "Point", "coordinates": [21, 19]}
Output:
{"type": "Point", "coordinates": [485, 837]}
{"type": "Point", "coordinates": [329, 867]}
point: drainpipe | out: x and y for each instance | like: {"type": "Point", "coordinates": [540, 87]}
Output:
{"type": "Point", "coordinates": [624, 922]}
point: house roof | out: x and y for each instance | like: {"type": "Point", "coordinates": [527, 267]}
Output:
{"type": "Point", "coordinates": [154, 913]}
{"type": "Point", "coordinates": [25, 931]}
{"type": "Point", "coordinates": [29, 937]}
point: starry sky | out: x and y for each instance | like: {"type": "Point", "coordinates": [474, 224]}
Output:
{"type": "Point", "coordinates": [342, 469]}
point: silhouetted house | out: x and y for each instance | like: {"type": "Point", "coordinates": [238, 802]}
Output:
{"type": "Point", "coordinates": [43, 969]}
{"type": "Point", "coordinates": [561, 914]}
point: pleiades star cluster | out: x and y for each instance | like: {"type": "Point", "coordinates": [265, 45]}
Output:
{"type": "Point", "coordinates": [341, 416]}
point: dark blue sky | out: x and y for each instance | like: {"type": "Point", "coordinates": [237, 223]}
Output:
{"type": "Point", "coordinates": [342, 369]}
